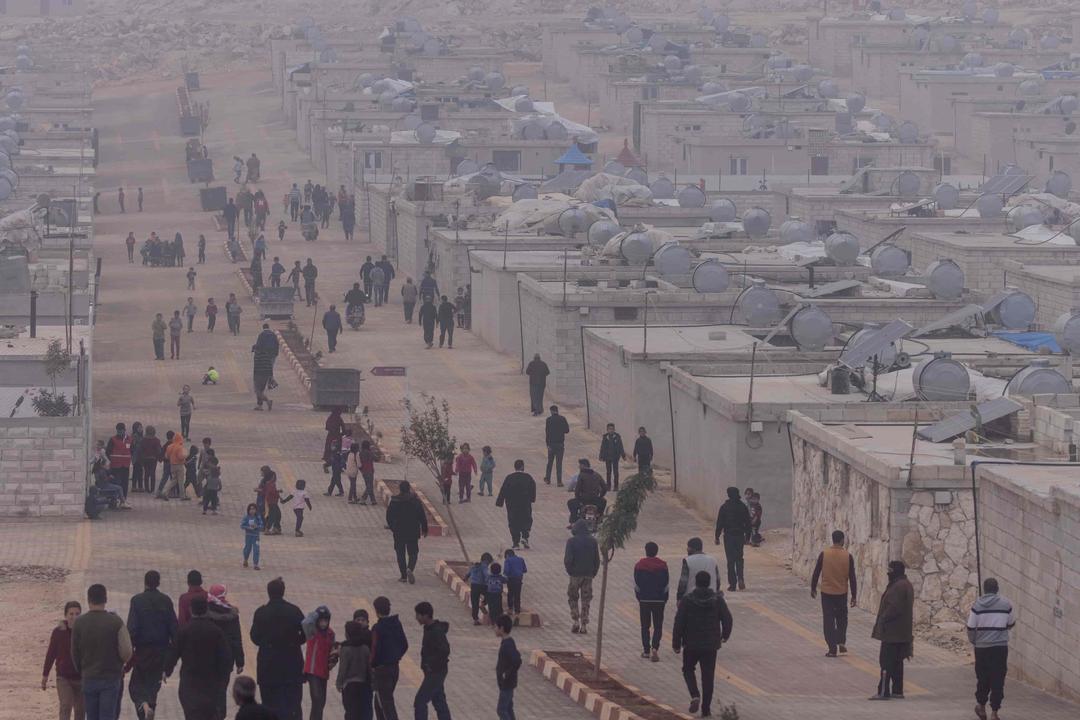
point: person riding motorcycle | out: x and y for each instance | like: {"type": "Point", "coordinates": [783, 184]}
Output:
{"type": "Point", "coordinates": [354, 305]}
{"type": "Point", "coordinates": [590, 490]}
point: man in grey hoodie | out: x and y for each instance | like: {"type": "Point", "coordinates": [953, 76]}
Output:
{"type": "Point", "coordinates": [988, 626]}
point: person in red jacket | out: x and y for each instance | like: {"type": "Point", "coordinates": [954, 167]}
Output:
{"type": "Point", "coordinates": [68, 680]}
{"type": "Point", "coordinates": [195, 589]}
{"type": "Point", "coordinates": [317, 661]}
{"type": "Point", "coordinates": [465, 467]}
{"type": "Point", "coordinates": [118, 450]}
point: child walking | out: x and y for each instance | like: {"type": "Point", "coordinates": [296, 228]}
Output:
{"type": "Point", "coordinates": [337, 466]}
{"type": "Point", "coordinates": [354, 670]}
{"type": "Point", "coordinates": [478, 584]}
{"type": "Point", "coordinates": [756, 515]}
{"type": "Point", "coordinates": [352, 470]}
{"type": "Point", "coordinates": [299, 499]}
{"type": "Point", "coordinates": [367, 471]}
{"type": "Point", "coordinates": [487, 470]}
{"type": "Point", "coordinates": [506, 667]}
{"type": "Point", "coordinates": [212, 486]}
{"type": "Point", "coordinates": [252, 525]}
{"type": "Point", "coordinates": [191, 278]}
{"type": "Point", "coordinates": [272, 496]}
{"type": "Point", "coordinates": [514, 569]}
{"type": "Point", "coordinates": [465, 465]}
{"type": "Point", "coordinates": [191, 473]}
{"type": "Point", "coordinates": [186, 403]}
{"type": "Point", "coordinates": [319, 659]}
{"type": "Point", "coordinates": [495, 584]}
{"type": "Point", "coordinates": [446, 477]}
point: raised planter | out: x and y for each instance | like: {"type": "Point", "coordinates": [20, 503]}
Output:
{"type": "Point", "coordinates": [454, 574]}
{"type": "Point", "coordinates": [609, 698]}
{"type": "Point", "coordinates": [437, 527]}
{"type": "Point", "coordinates": [302, 361]}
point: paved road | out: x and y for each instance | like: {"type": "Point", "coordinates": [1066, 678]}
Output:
{"type": "Point", "coordinates": [772, 669]}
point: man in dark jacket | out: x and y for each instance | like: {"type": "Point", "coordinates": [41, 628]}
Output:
{"type": "Point", "coordinates": [611, 452]}
{"type": "Point", "coordinates": [388, 646]}
{"type": "Point", "coordinates": [643, 451]}
{"type": "Point", "coordinates": [506, 667]}
{"type": "Point", "coordinates": [582, 561]}
{"type": "Point", "coordinates": [310, 273]}
{"type": "Point", "coordinates": [518, 493]}
{"type": "Point", "coordinates": [702, 623]}
{"type": "Point", "coordinates": [894, 629]}
{"type": "Point", "coordinates": [276, 630]}
{"type": "Point", "coordinates": [227, 617]}
{"type": "Point", "coordinates": [446, 322]}
{"type": "Point", "coordinates": [152, 626]}
{"type": "Point", "coordinates": [537, 371]}
{"type": "Point", "coordinates": [266, 352]}
{"type": "Point", "coordinates": [733, 522]}
{"type": "Point", "coordinates": [426, 317]}
{"type": "Point", "coordinates": [231, 212]}
{"type": "Point", "coordinates": [206, 660]}
{"type": "Point", "coordinates": [651, 582]}
{"type": "Point", "coordinates": [435, 664]}
{"type": "Point", "coordinates": [429, 288]}
{"type": "Point", "coordinates": [555, 431]}
{"type": "Point", "coordinates": [365, 276]}
{"type": "Point", "coordinates": [387, 267]}
{"type": "Point", "coordinates": [590, 490]}
{"type": "Point", "coordinates": [331, 323]}
{"type": "Point", "coordinates": [407, 520]}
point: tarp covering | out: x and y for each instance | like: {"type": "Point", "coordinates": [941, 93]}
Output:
{"type": "Point", "coordinates": [1033, 341]}
{"type": "Point", "coordinates": [623, 191]}
{"type": "Point", "coordinates": [657, 237]}
{"type": "Point", "coordinates": [531, 215]}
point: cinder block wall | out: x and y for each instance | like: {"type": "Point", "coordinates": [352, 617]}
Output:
{"type": "Point", "coordinates": [43, 470]}
{"type": "Point", "coordinates": [1028, 538]}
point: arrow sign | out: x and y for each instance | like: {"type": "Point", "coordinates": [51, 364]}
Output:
{"type": "Point", "coordinates": [388, 371]}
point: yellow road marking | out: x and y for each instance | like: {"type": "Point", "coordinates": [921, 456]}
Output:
{"type": "Point", "coordinates": [723, 672]}
{"type": "Point", "coordinates": [869, 668]}
{"type": "Point", "coordinates": [408, 666]}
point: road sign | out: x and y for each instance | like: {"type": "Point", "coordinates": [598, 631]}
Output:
{"type": "Point", "coordinates": [388, 371]}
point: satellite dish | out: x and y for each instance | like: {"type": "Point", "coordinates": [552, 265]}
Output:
{"type": "Point", "coordinates": [519, 90]}
{"type": "Point", "coordinates": [556, 131]}
{"type": "Point", "coordinates": [14, 99]}
{"type": "Point", "coordinates": [907, 184]}
{"type": "Point", "coordinates": [738, 102]}
{"type": "Point", "coordinates": [759, 305]}
{"type": "Point", "coordinates": [989, 205]}
{"type": "Point", "coordinates": [1017, 38]}
{"type": "Point", "coordinates": [941, 378]}
{"type": "Point", "coordinates": [525, 192]}
{"type": "Point", "coordinates": [523, 105]}
{"type": "Point", "coordinates": [573, 221]}
{"type": "Point", "coordinates": [946, 196]}
{"type": "Point", "coordinates": [856, 102]}
{"type": "Point", "coordinates": [1030, 88]}
{"type": "Point", "coordinates": [1004, 70]}
{"type": "Point", "coordinates": [886, 356]}
{"type": "Point", "coordinates": [1023, 216]}
{"type": "Point", "coordinates": [411, 122]}
{"type": "Point", "coordinates": [1068, 104]}
{"type": "Point", "coordinates": [908, 132]}
{"type": "Point", "coordinates": [425, 133]}
{"type": "Point", "coordinates": [897, 14]}
{"type": "Point", "coordinates": [811, 328]}
{"type": "Point", "coordinates": [636, 248]}
{"type": "Point", "coordinates": [793, 231]}
{"type": "Point", "coordinates": [721, 23]}
{"type": "Point", "coordinates": [657, 42]}
{"type": "Point", "coordinates": [712, 277]}
{"type": "Point", "coordinates": [842, 248]}
{"type": "Point", "coordinates": [1049, 41]}
{"type": "Point", "coordinates": [1015, 311]}
{"type": "Point", "coordinates": [713, 88]}
{"type": "Point", "coordinates": [756, 222]}
{"type": "Point", "coordinates": [828, 88]}
{"type": "Point", "coordinates": [672, 259]}
{"type": "Point", "coordinates": [601, 231]}
{"type": "Point", "coordinates": [637, 175]}
{"type": "Point", "coordinates": [495, 81]}
{"type": "Point", "coordinates": [467, 167]}
{"type": "Point", "coordinates": [1059, 184]}
{"type": "Point", "coordinates": [802, 73]}
{"type": "Point", "coordinates": [1038, 378]}
{"type": "Point", "coordinates": [882, 121]}
{"type": "Point", "coordinates": [947, 43]}
{"type": "Point", "coordinates": [969, 10]}
{"type": "Point", "coordinates": [722, 210]}
{"type": "Point", "coordinates": [672, 63]}
{"type": "Point", "coordinates": [1067, 332]}
{"type": "Point", "coordinates": [691, 196]}
{"type": "Point", "coordinates": [662, 189]}
{"type": "Point", "coordinates": [635, 36]}
{"type": "Point", "coordinates": [476, 73]}
{"type": "Point", "coordinates": [990, 16]}
{"type": "Point", "coordinates": [945, 280]}
{"type": "Point", "coordinates": [973, 60]}
{"type": "Point", "coordinates": [889, 261]}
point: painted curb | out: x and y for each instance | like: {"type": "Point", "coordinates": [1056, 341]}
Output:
{"type": "Point", "coordinates": [459, 587]}
{"type": "Point", "coordinates": [305, 379]}
{"type": "Point", "coordinates": [437, 527]}
{"type": "Point", "coordinates": [586, 697]}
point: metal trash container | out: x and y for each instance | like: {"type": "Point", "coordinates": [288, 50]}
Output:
{"type": "Point", "coordinates": [276, 302]}
{"type": "Point", "coordinates": [191, 80]}
{"type": "Point", "coordinates": [336, 387]}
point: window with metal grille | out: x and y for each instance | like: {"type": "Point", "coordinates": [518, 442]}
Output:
{"type": "Point", "coordinates": [626, 313]}
{"type": "Point", "coordinates": [506, 160]}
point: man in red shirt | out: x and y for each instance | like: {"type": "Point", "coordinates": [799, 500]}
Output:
{"type": "Point", "coordinates": [118, 450]}
{"type": "Point", "coordinates": [195, 589]}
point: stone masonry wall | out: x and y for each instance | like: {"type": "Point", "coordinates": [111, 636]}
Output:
{"type": "Point", "coordinates": [1029, 537]}
{"type": "Point", "coordinates": [42, 467]}
{"type": "Point", "coordinates": [938, 547]}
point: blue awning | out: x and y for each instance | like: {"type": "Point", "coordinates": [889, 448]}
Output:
{"type": "Point", "coordinates": [574, 156]}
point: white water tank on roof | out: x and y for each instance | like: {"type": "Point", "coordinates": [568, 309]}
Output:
{"type": "Point", "coordinates": [711, 277]}
{"type": "Point", "coordinates": [945, 280]}
{"type": "Point", "coordinates": [1038, 378]}
{"type": "Point", "coordinates": [941, 378]}
{"type": "Point", "coordinates": [842, 248]}
{"type": "Point", "coordinates": [811, 328]}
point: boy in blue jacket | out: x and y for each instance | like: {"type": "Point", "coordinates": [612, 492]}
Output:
{"type": "Point", "coordinates": [514, 570]}
{"type": "Point", "coordinates": [477, 578]}
{"type": "Point", "coordinates": [651, 590]}
{"type": "Point", "coordinates": [388, 646]}
{"type": "Point", "coordinates": [495, 584]}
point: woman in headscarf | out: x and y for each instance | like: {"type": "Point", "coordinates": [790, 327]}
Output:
{"type": "Point", "coordinates": [178, 248]}
{"type": "Point", "coordinates": [335, 428]}
{"type": "Point", "coordinates": [227, 617]}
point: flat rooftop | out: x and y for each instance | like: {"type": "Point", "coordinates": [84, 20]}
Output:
{"type": "Point", "coordinates": [677, 340]}
{"type": "Point", "coordinates": [984, 240]}
{"type": "Point", "coordinates": [24, 345]}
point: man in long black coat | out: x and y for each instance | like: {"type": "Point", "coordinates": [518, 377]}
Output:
{"type": "Point", "coordinates": [518, 493]}
{"type": "Point", "coordinates": [266, 351]}
{"type": "Point", "coordinates": [426, 318]}
{"type": "Point", "coordinates": [537, 372]}
{"type": "Point", "coordinates": [205, 663]}
{"type": "Point", "coordinates": [407, 520]}
{"type": "Point", "coordinates": [276, 630]}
